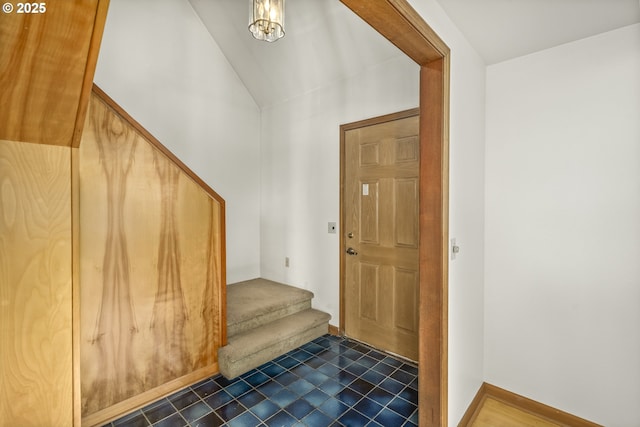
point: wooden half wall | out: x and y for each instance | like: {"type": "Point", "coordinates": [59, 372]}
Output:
{"type": "Point", "coordinates": [151, 268]}
{"type": "Point", "coordinates": [112, 275]}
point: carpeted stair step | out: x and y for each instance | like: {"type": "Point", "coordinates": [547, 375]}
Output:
{"type": "Point", "coordinates": [252, 348]}
{"type": "Point", "coordinates": [256, 302]}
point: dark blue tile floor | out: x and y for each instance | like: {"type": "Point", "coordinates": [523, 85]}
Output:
{"type": "Point", "coordinates": [330, 381]}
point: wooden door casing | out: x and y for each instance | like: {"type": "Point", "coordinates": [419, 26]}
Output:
{"type": "Point", "coordinates": [381, 215]}
{"type": "Point", "coordinates": [404, 27]}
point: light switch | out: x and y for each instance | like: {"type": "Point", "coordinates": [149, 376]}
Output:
{"type": "Point", "coordinates": [454, 249]}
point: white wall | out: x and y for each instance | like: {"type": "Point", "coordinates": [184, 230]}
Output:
{"type": "Point", "coordinates": [466, 205]}
{"type": "Point", "coordinates": [158, 61]}
{"type": "Point", "coordinates": [562, 277]}
{"type": "Point", "coordinates": [300, 193]}
{"type": "Point", "coordinates": [301, 174]}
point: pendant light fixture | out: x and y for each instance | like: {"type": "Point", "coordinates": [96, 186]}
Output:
{"type": "Point", "coordinates": [266, 19]}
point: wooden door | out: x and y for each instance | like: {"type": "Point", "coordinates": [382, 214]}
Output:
{"type": "Point", "coordinates": [380, 211]}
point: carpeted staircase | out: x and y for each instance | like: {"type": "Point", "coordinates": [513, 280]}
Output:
{"type": "Point", "coordinates": [266, 319]}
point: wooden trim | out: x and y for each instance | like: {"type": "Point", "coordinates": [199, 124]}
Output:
{"type": "Point", "coordinates": [120, 410]}
{"type": "Point", "coordinates": [404, 27]}
{"type": "Point", "coordinates": [333, 330]}
{"type": "Point", "coordinates": [474, 407]}
{"type": "Point", "coordinates": [222, 302]}
{"type": "Point", "coordinates": [75, 285]}
{"type": "Point", "coordinates": [154, 141]}
{"type": "Point", "coordinates": [90, 70]}
{"type": "Point", "coordinates": [341, 247]}
{"type": "Point", "coordinates": [380, 119]}
{"type": "Point", "coordinates": [563, 419]}
{"type": "Point", "coordinates": [399, 23]}
{"type": "Point", "coordinates": [434, 220]}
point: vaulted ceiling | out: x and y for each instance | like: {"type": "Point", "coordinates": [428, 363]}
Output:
{"type": "Point", "coordinates": [325, 42]}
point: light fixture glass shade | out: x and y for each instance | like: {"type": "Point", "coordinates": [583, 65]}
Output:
{"type": "Point", "coordinates": [266, 19]}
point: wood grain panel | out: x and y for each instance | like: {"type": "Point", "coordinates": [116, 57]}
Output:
{"type": "Point", "coordinates": [169, 316]}
{"type": "Point", "coordinates": [369, 154]}
{"type": "Point", "coordinates": [369, 289]}
{"type": "Point", "coordinates": [407, 149]}
{"type": "Point", "coordinates": [150, 268]}
{"type": "Point", "coordinates": [406, 213]}
{"type": "Point", "coordinates": [48, 61]}
{"type": "Point", "coordinates": [35, 286]}
{"type": "Point", "coordinates": [108, 315]}
{"type": "Point", "coordinates": [406, 300]}
{"type": "Point", "coordinates": [369, 212]}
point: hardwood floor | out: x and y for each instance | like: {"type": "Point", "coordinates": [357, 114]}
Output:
{"type": "Point", "coordinates": [494, 413]}
{"type": "Point", "coordinates": [496, 407]}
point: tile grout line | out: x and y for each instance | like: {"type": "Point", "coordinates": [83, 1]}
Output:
{"type": "Point", "coordinates": [347, 369]}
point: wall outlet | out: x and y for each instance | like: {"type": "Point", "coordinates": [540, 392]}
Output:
{"type": "Point", "coordinates": [286, 261]}
{"type": "Point", "coordinates": [332, 228]}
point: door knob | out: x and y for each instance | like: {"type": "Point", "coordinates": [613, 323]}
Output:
{"type": "Point", "coordinates": [352, 251]}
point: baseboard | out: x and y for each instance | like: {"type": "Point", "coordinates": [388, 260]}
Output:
{"type": "Point", "coordinates": [141, 400]}
{"type": "Point", "coordinates": [333, 330]}
{"type": "Point", "coordinates": [474, 407]}
{"type": "Point", "coordinates": [522, 403]}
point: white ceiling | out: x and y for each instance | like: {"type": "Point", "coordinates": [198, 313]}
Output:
{"type": "Point", "coordinates": [505, 29]}
{"type": "Point", "coordinates": [326, 42]}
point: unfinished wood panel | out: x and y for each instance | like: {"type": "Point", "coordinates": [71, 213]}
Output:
{"type": "Point", "coordinates": [150, 270]}
{"type": "Point", "coordinates": [48, 60]}
{"type": "Point", "coordinates": [35, 286]}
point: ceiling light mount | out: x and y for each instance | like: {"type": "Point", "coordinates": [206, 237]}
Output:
{"type": "Point", "coordinates": [266, 19]}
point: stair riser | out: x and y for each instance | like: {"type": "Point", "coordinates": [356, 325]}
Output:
{"type": "Point", "coordinates": [232, 370]}
{"type": "Point", "coordinates": [269, 317]}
